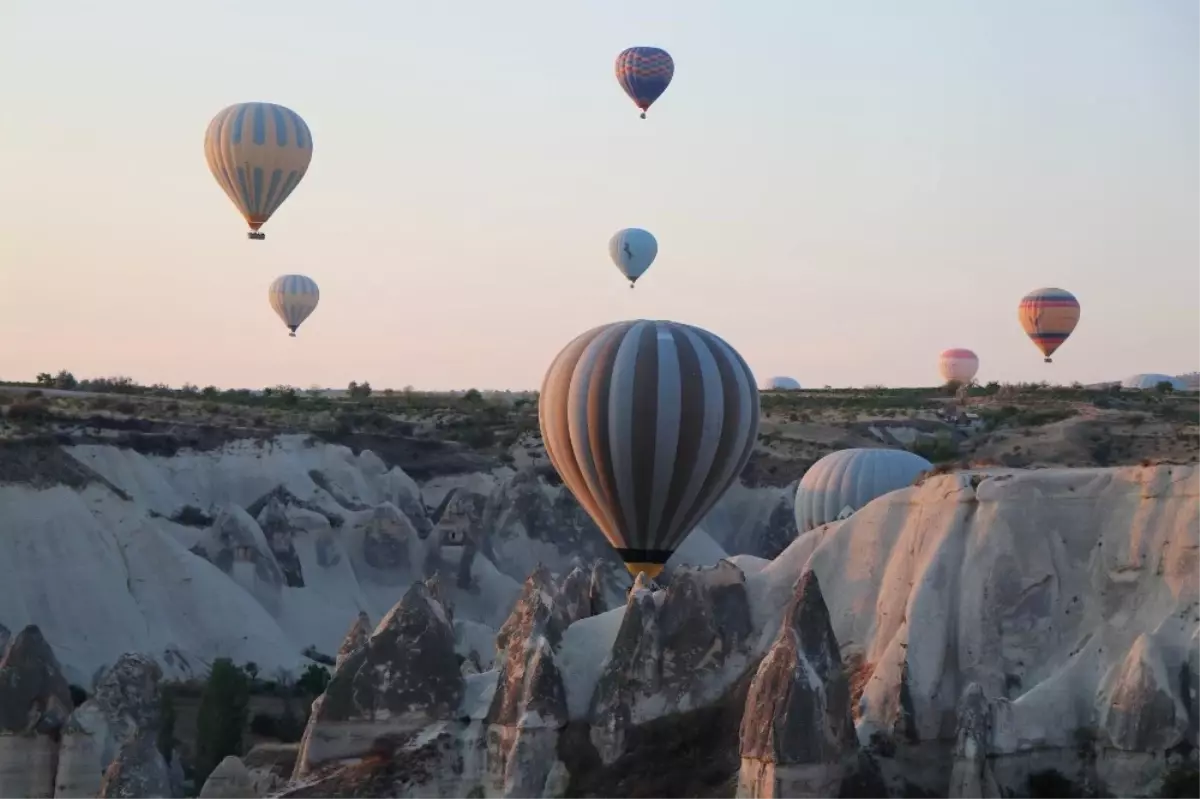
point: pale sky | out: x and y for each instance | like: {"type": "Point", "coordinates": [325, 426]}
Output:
{"type": "Point", "coordinates": [840, 189]}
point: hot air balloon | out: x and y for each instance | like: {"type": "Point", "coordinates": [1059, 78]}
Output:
{"type": "Point", "coordinates": [842, 482]}
{"type": "Point", "coordinates": [1048, 316]}
{"type": "Point", "coordinates": [783, 384]}
{"type": "Point", "coordinates": [648, 423]}
{"type": "Point", "coordinates": [294, 298]}
{"type": "Point", "coordinates": [258, 152]}
{"type": "Point", "coordinates": [644, 73]}
{"type": "Point", "coordinates": [958, 365]}
{"type": "Point", "coordinates": [632, 250]}
{"type": "Point", "coordinates": [1150, 381]}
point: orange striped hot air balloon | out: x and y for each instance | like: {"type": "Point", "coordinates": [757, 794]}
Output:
{"type": "Point", "coordinates": [1048, 316]}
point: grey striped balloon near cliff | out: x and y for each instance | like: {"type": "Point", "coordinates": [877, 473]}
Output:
{"type": "Point", "coordinates": [648, 423]}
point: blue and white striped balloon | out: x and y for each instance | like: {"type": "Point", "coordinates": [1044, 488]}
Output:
{"type": "Point", "coordinates": [632, 250]}
{"type": "Point", "coordinates": [259, 153]}
{"type": "Point", "coordinates": [294, 298]}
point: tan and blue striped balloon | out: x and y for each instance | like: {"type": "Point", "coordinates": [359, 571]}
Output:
{"type": "Point", "coordinates": [1048, 316]}
{"type": "Point", "coordinates": [293, 298]}
{"type": "Point", "coordinates": [648, 423]}
{"type": "Point", "coordinates": [258, 152]}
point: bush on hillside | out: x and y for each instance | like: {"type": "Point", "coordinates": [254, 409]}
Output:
{"type": "Point", "coordinates": [224, 707]}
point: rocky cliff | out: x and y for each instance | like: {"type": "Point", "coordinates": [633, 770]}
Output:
{"type": "Point", "coordinates": [261, 549]}
{"type": "Point", "coordinates": [977, 631]}
{"type": "Point", "coordinates": [968, 636]}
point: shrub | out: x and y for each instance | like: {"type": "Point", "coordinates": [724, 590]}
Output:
{"type": "Point", "coordinates": [224, 706]}
{"type": "Point", "coordinates": [1181, 781]}
{"type": "Point", "coordinates": [29, 412]}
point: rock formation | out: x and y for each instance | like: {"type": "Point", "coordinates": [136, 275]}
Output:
{"type": "Point", "coordinates": [229, 780]}
{"type": "Point", "coordinates": [35, 702]}
{"type": "Point", "coordinates": [797, 734]}
{"type": "Point", "coordinates": [529, 706]}
{"type": "Point", "coordinates": [673, 655]}
{"type": "Point", "coordinates": [1068, 596]}
{"type": "Point", "coordinates": [124, 705]}
{"type": "Point", "coordinates": [971, 776]}
{"type": "Point", "coordinates": [137, 771]}
{"type": "Point", "coordinates": [356, 637]}
{"type": "Point", "coordinates": [405, 679]}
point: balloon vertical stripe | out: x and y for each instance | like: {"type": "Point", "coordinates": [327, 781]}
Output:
{"type": "Point", "coordinates": [648, 423]}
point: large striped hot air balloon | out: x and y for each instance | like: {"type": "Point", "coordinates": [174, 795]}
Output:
{"type": "Point", "coordinates": [958, 365]}
{"type": "Point", "coordinates": [644, 73]}
{"type": "Point", "coordinates": [293, 298]}
{"type": "Point", "coordinates": [258, 152]}
{"type": "Point", "coordinates": [632, 250]}
{"type": "Point", "coordinates": [648, 423]}
{"type": "Point", "coordinates": [1048, 316]}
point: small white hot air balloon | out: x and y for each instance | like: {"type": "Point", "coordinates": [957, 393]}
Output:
{"type": "Point", "coordinates": [1151, 380]}
{"type": "Point", "coordinates": [632, 250]}
{"type": "Point", "coordinates": [293, 298]}
{"type": "Point", "coordinates": [958, 365]}
{"type": "Point", "coordinates": [783, 383]}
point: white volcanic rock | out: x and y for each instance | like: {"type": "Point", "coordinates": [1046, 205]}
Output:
{"type": "Point", "coordinates": [1069, 595]}
{"type": "Point", "coordinates": [229, 780]}
{"type": "Point", "coordinates": [277, 545]}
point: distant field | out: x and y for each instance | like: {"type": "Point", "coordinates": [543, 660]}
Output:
{"type": "Point", "coordinates": [430, 433]}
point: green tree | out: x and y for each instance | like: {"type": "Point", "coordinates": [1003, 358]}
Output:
{"type": "Point", "coordinates": [1164, 387]}
{"type": "Point", "coordinates": [166, 729]}
{"type": "Point", "coordinates": [224, 708]}
{"type": "Point", "coordinates": [314, 679]}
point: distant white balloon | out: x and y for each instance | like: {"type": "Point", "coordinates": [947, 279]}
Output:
{"type": "Point", "coordinates": [842, 482]}
{"type": "Point", "coordinates": [959, 365]}
{"type": "Point", "coordinates": [783, 384]}
{"type": "Point", "coordinates": [1150, 380]}
{"type": "Point", "coordinates": [293, 298]}
{"type": "Point", "coordinates": [632, 250]}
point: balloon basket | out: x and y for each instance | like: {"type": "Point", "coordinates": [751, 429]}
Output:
{"type": "Point", "coordinates": [254, 235]}
{"type": "Point", "coordinates": [643, 115]}
{"type": "Point", "coordinates": [1047, 360]}
{"type": "Point", "coordinates": [291, 335]}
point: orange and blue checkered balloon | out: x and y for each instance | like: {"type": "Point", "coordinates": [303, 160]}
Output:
{"type": "Point", "coordinates": [644, 73]}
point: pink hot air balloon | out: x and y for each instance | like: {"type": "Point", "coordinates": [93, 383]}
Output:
{"type": "Point", "coordinates": [958, 365]}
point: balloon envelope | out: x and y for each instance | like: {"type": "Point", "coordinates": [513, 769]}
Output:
{"type": "Point", "coordinates": [781, 383]}
{"type": "Point", "coordinates": [1048, 316]}
{"type": "Point", "coordinates": [632, 250]}
{"type": "Point", "coordinates": [1151, 380]}
{"type": "Point", "coordinates": [293, 298]}
{"type": "Point", "coordinates": [258, 152]}
{"type": "Point", "coordinates": [648, 423]}
{"type": "Point", "coordinates": [842, 482]}
{"type": "Point", "coordinates": [644, 73]}
{"type": "Point", "coordinates": [959, 365]}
